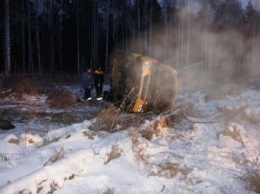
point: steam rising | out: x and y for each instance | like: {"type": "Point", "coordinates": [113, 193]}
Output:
{"type": "Point", "coordinates": [217, 61]}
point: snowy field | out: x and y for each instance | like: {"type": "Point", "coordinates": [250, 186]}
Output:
{"type": "Point", "coordinates": [214, 149]}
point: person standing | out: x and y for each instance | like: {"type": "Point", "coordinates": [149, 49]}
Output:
{"type": "Point", "coordinates": [87, 83]}
{"type": "Point", "coordinates": [98, 82]}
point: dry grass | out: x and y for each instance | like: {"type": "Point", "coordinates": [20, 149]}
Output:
{"type": "Point", "coordinates": [56, 156]}
{"type": "Point", "coordinates": [4, 93]}
{"type": "Point", "coordinates": [111, 119]}
{"type": "Point", "coordinates": [24, 85]}
{"type": "Point", "coordinates": [169, 169]}
{"type": "Point", "coordinates": [70, 177]}
{"type": "Point", "coordinates": [158, 128]}
{"type": "Point", "coordinates": [19, 85]}
{"type": "Point", "coordinates": [166, 170]}
{"type": "Point", "coordinates": [109, 191]}
{"type": "Point", "coordinates": [114, 153]}
{"type": "Point", "coordinates": [252, 180]}
{"type": "Point", "coordinates": [147, 133]}
{"type": "Point", "coordinates": [58, 98]}
{"type": "Point", "coordinates": [107, 119]}
{"type": "Point", "coordinates": [6, 159]}
{"type": "Point", "coordinates": [47, 139]}
{"type": "Point", "coordinates": [14, 141]}
{"type": "Point", "coordinates": [137, 148]}
{"type": "Point", "coordinates": [232, 132]}
{"type": "Point", "coordinates": [61, 99]}
{"type": "Point", "coordinates": [53, 186]}
{"type": "Point", "coordinates": [3, 158]}
{"type": "Point", "coordinates": [89, 134]}
{"type": "Point", "coordinates": [31, 141]}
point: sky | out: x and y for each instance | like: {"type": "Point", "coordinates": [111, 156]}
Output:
{"type": "Point", "coordinates": [255, 3]}
{"type": "Point", "coordinates": [244, 3]}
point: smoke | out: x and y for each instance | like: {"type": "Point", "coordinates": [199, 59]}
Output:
{"type": "Point", "coordinates": [213, 59]}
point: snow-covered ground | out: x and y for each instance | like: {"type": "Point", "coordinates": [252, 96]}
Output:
{"type": "Point", "coordinates": [182, 156]}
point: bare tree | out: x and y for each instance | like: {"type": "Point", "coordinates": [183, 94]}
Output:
{"type": "Point", "coordinates": [50, 12]}
{"type": "Point", "coordinates": [7, 40]}
{"type": "Point", "coordinates": [107, 31]}
{"type": "Point", "coordinates": [78, 40]}
{"type": "Point", "coordinates": [37, 37]}
{"type": "Point", "coordinates": [60, 34]}
{"type": "Point", "coordinates": [23, 37]}
{"type": "Point", "coordinates": [30, 62]}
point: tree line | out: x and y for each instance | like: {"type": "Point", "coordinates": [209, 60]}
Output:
{"type": "Point", "coordinates": [65, 36]}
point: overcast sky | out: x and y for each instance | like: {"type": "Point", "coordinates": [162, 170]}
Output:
{"type": "Point", "coordinates": [255, 3]}
{"type": "Point", "coordinates": [244, 3]}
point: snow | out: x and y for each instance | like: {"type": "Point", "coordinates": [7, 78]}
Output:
{"type": "Point", "coordinates": [184, 157]}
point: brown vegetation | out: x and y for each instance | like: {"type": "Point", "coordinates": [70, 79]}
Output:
{"type": "Point", "coordinates": [111, 119]}
{"type": "Point", "coordinates": [157, 128]}
{"type": "Point", "coordinates": [14, 141]}
{"type": "Point", "coordinates": [88, 134]}
{"type": "Point", "coordinates": [56, 156]}
{"type": "Point", "coordinates": [109, 191]}
{"type": "Point", "coordinates": [252, 180]}
{"type": "Point", "coordinates": [60, 99]}
{"type": "Point", "coordinates": [24, 85]}
{"type": "Point", "coordinates": [19, 85]}
{"type": "Point", "coordinates": [234, 133]}
{"type": "Point", "coordinates": [114, 153]}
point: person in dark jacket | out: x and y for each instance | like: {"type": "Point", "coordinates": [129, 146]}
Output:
{"type": "Point", "coordinates": [98, 82]}
{"type": "Point", "coordinates": [87, 83]}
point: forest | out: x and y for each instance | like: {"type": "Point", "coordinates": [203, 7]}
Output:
{"type": "Point", "coordinates": [183, 77]}
{"type": "Point", "coordinates": [63, 37]}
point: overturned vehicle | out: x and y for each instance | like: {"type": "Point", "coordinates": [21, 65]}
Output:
{"type": "Point", "coordinates": [141, 84]}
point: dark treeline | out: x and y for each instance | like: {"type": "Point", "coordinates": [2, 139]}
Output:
{"type": "Point", "coordinates": [64, 36]}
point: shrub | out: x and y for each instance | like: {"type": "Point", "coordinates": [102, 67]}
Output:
{"type": "Point", "coordinates": [158, 128]}
{"type": "Point", "coordinates": [115, 153]}
{"type": "Point", "coordinates": [24, 85]}
{"type": "Point", "coordinates": [61, 99]}
{"type": "Point", "coordinates": [252, 180]}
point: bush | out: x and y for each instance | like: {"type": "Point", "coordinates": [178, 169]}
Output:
{"type": "Point", "coordinates": [61, 99]}
{"type": "Point", "coordinates": [24, 85]}
{"type": "Point", "coordinates": [252, 180]}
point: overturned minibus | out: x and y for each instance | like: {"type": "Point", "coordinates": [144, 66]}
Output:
{"type": "Point", "coordinates": [140, 84]}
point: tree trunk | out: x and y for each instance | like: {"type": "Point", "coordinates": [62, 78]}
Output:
{"type": "Point", "coordinates": [94, 32]}
{"type": "Point", "coordinates": [7, 40]}
{"type": "Point", "coordinates": [139, 27]}
{"type": "Point", "coordinates": [188, 35]}
{"type": "Point", "coordinates": [31, 69]}
{"type": "Point", "coordinates": [78, 46]}
{"type": "Point", "coordinates": [107, 32]}
{"type": "Point", "coordinates": [38, 38]}
{"type": "Point", "coordinates": [60, 34]}
{"type": "Point", "coordinates": [51, 35]}
{"type": "Point", "coordinates": [23, 39]}
{"type": "Point", "coordinates": [150, 30]}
